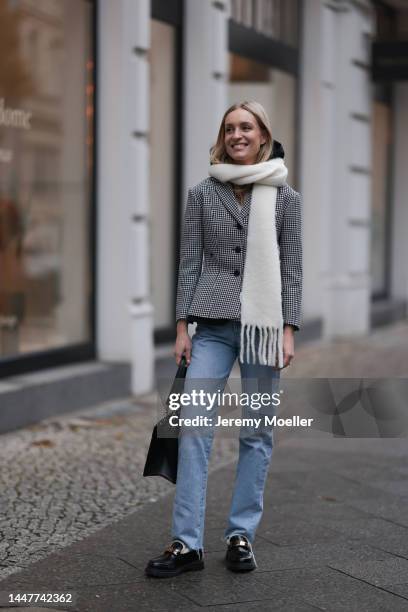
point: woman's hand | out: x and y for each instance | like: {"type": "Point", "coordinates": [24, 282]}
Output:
{"type": "Point", "coordinates": [183, 342]}
{"type": "Point", "coordinates": [288, 344]}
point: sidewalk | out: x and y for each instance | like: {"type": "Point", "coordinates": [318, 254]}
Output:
{"type": "Point", "coordinates": [334, 534]}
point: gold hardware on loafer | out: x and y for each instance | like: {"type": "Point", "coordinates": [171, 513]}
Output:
{"type": "Point", "coordinates": [173, 551]}
{"type": "Point", "coordinates": [241, 543]}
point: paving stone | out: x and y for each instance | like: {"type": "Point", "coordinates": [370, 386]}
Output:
{"type": "Point", "coordinates": [317, 510]}
{"type": "Point", "coordinates": [63, 571]}
{"type": "Point", "coordinates": [322, 483]}
{"type": "Point", "coordinates": [122, 545]}
{"type": "Point", "coordinates": [375, 475]}
{"type": "Point", "coordinates": [272, 557]}
{"type": "Point", "coordinates": [397, 486]}
{"type": "Point", "coordinates": [398, 589]}
{"type": "Point", "coordinates": [278, 604]}
{"type": "Point", "coordinates": [378, 573]}
{"type": "Point", "coordinates": [291, 532]}
{"type": "Point", "coordinates": [369, 527]}
{"type": "Point", "coordinates": [331, 590]}
{"type": "Point", "coordinates": [393, 509]}
{"type": "Point", "coordinates": [36, 609]}
{"type": "Point", "coordinates": [224, 587]}
{"type": "Point", "coordinates": [142, 596]}
{"type": "Point", "coordinates": [392, 543]}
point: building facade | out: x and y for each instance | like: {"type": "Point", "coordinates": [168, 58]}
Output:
{"type": "Point", "coordinates": [107, 115]}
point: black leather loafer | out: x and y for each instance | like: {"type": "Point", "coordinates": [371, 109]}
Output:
{"type": "Point", "coordinates": [173, 562]}
{"type": "Point", "coordinates": [240, 556]}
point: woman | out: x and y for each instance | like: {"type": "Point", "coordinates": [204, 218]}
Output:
{"type": "Point", "coordinates": [245, 297]}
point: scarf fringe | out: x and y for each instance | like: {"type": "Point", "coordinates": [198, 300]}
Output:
{"type": "Point", "coordinates": [270, 345]}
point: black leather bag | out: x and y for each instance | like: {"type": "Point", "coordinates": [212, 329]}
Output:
{"type": "Point", "coordinates": [162, 455]}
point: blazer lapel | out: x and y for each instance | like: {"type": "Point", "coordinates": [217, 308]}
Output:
{"type": "Point", "coordinates": [227, 198]}
{"type": "Point", "coordinates": [247, 204]}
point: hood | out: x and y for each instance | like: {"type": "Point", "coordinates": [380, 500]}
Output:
{"type": "Point", "coordinates": [277, 150]}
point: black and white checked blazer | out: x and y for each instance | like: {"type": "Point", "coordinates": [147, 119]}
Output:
{"type": "Point", "coordinates": [213, 250]}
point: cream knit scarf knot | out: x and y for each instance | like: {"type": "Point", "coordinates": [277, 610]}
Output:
{"type": "Point", "coordinates": [261, 299]}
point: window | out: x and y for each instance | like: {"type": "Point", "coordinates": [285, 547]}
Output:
{"type": "Point", "coordinates": [165, 160]}
{"type": "Point", "coordinates": [380, 200]}
{"type": "Point", "coordinates": [46, 166]}
{"type": "Point", "coordinates": [162, 167]}
{"type": "Point", "coordinates": [277, 19]}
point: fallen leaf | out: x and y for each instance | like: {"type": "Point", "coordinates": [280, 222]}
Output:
{"type": "Point", "coordinates": [327, 498]}
{"type": "Point", "coordinates": [44, 442]}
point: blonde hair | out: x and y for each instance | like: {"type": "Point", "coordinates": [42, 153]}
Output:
{"type": "Point", "coordinates": [218, 153]}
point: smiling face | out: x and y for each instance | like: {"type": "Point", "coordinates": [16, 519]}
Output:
{"type": "Point", "coordinates": [243, 136]}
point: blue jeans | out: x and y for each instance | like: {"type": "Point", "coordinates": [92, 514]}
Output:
{"type": "Point", "coordinates": [215, 348]}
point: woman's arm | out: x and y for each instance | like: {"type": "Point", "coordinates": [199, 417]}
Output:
{"type": "Point", "coordinates": [291, 273]}
{"type": "Point", "coordinates": [191, 256]}
{"type": "Point", "coordinates": [291, 262]}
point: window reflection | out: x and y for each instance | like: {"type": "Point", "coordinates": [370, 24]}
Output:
{"type": "Point", "coordinates": [382, 130]}
{"type": "Point", "coordinates": [277, 19]}
{"type": "Point", "coordinates": [45, 166]}
{"type": "Point", "coordinates": [163, 169]}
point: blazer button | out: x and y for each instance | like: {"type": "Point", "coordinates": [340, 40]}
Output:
{"type": "Point", "coordinates": [236, 272]}
{"type": "Point", "coordinates": [239, 226]}
{"type": "Point", "coordinates": [237, 249]}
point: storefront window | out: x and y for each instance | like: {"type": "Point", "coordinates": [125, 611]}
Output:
{"type": "Point", "coordinates": [276, 91]}
{"type": "Point", "coordinates": [46, 165]}
{"type": "Point", "coordinates": [163, 170]}
{"type": "Point", "coordinates": [277, 19]}
{"type": "Point", "coordinates": [382, 135]}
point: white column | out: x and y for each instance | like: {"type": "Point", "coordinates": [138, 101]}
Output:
{"type": "Point", "coordinates": [316, 138]}
{"type": "Point", "coordinates": [349, 285]}
{"type": "Point", "coordinates": [205, 82]}
{"type": "Point", "coordinates": [124, 326]}
{"type": "Point", "coordinates": [336, 164]}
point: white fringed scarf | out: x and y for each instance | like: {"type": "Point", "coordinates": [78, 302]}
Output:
{"type": "Point", "coordinates": [261, 300]}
